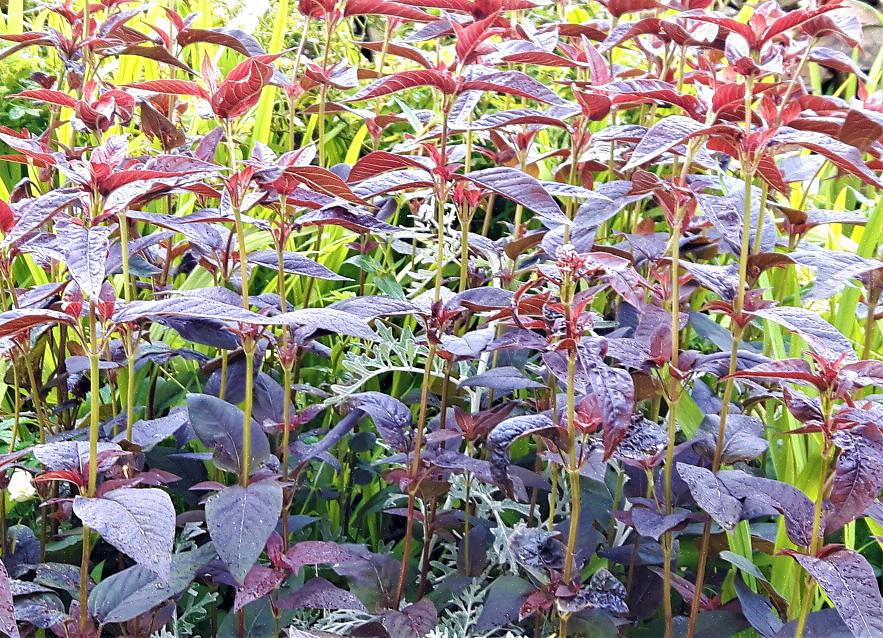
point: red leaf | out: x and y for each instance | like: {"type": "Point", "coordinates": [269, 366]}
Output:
{"type": "Point", "coordinates": [407, 80]}
{"type": "Point", "coordinates": [15, 321]}
{"type": "Point", "coordinates": [385, 8]}
{"type": "Point", "coordinates": [324, 181]}
{"type": "Point", "coordinates": [522, 189]}
{"type": "Point", "coordinates": [514, 83]}
{"type": "Point", "coordinates": [7, 217]}
{"type": "Point", "coordinates": [171, 87]}
{"type": "Point", "coordinates": [241, 89]}
{"type": "Point", "coordinates": [619, 8]}
{"type": "Point", "coordinates": [378, 162]}
{"type": "Point", "coordinates": [58, 98]}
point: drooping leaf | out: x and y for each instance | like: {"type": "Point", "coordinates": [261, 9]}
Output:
{"type": "Point", "coordinates": [849, 581]}
{"type": "Point", "coordinates": [138, 522]}
{"type": "Point", "coordinates": [522, 189]}
{"type": "Point", "coordinates": [219, 425]}
{"type": "Point", "coordinates": [7, 611]}
{"type": "Point", "coordinates": [711, 496]}
{"type": "Point", "coordinates": [294, 264]}
{"type": "Point", "coordinates": [240, 520]}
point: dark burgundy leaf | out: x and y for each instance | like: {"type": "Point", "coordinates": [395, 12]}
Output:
{"type": "Point", "coordinates": [240, 520]}
{"type": "Point", "coordinates": [138, 522]}
{"type": "Point", "coordinates": [821, 336]}
{"type": "Point", "coordinates": [319, 593]}
{"type": "Point", "coordinates": [711, 495]}
{"type": "Point", "coordinates": [849, 581]}
{"type": "Point", "coordinates": [522, 189]}
{"type": "Point", "coordinates": [218, 425]}
{"type": "Point", "coordinates": [293, 263]}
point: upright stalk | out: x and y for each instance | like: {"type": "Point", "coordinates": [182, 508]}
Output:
{"type": "Point", "coordinates": [736, 331]}
{"type": "Point", "coordinates": [817, 537]}
{"type": "Point", "coordinates": [573, 475]}
{"type": "Point", "coordinates": [441, 196]}
{"type": "Point", "coordinates": [248, 343]}
{"type": "Point", "coordinates": [92, 485]}
{"type": "Point", "coordinates": [127, 333]}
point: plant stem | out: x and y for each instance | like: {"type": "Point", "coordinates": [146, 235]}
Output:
{"type": "Point", "coordinates": [870, 322]}
{"type": "Point", "coordinates": [736, 331]}
{"type": "Point", "coordinates": [413, 475]}
{"type": "Point", "coordinates": [817, 537]}
{"type": "Point", "coordinates": [127, 334]}
{"type": "Point", "coordinates": [573, 482]}
{"type": "Point", "coordinates": [94, 426]}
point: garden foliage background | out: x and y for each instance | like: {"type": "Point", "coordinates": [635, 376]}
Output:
{"type": "Point", "coordinates": [440, 318]}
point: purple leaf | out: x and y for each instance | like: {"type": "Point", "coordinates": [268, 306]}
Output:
{"type": "Point", "coordinates": [240, 520]}
{"type": "Point", "coordinates": [317, 553]}
{"type": "Point", "coordinates": [522, 189]}
{"type": "Point", "coordinates": [138, 522]}
{"type": "Point", "coordinates": [7, 611]}
{"type": "Point", "coordinates": [259, 582]}
{"type": "Point", "coordinates": [711, 495]}
{"type": "Point", "coordinates": [849, 581]}
{"type": "Point", "coordinates": [414, 621]}
{"type": "Point", "coordinates": [135, 591]}
{"type": "Point", "coordinates": [514, 83]}
{"type": "Point", "coordinates": [649, 522]}
{"type": "Point", "coordinates": [294, 264]}
{"type": "Point", "coordinates": [391, 417]}
{"type": "Point", "coordinates": [187, 307]}
{"type": "Point", "coordinates": [743, 438]}
{"type": "Point", "coordinates": [502, 606]}
{"type": "Point", "coordinates": [821, 336]}
{"type": "Point", "coordinates": [505, 434]}
{"type": "Point", "coordinates": [502, 379]}
{"type": "Point", "coordinates": [218, 425]}
{"type": "Point", "coordinates": [858, 475]}
{"type": "Point", "coordinates": [781, 497]}
{"type": "Point", "coordinates": [85, 252]}
{"type": "Point", "coordinates": [329, 320]}
{"type": "Point", "coordinates": [615, 391]}
{"type": "Point", "coordinates": [319, 593]}
{"type": "Point", "coordinates": [663, 136]}
{"type": "Point", "coordinates": [758, 610]}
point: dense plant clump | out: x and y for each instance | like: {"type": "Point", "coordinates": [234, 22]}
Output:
{"type": "Point", "coordinates": [445, 318]}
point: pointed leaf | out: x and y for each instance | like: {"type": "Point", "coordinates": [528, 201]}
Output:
{"type": "Point", "coordinates": [240, 520]}
{"type": "Point", "coordinates": [138, 522]}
